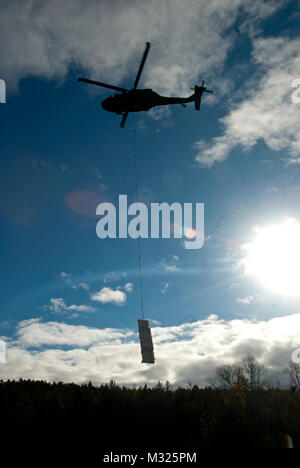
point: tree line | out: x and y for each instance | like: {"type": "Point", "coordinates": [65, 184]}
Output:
{"type": "Point", "coordinates": [238, 408]}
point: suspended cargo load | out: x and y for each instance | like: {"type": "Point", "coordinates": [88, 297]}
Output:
{"type": "Point", "coordinates": [147, 349]}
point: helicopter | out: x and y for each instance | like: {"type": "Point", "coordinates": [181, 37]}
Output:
{"type": "Point", "coordinates": [137, 100]}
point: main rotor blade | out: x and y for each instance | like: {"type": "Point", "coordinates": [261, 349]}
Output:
{"type": "Point", "coordinates": [142, 65]}
{"type": "Point", "coordinates": [124, 119]}
{"type": "Point", "coordinates": [209, 91]}
{"type": "Point", "coordinates": [104, 85]}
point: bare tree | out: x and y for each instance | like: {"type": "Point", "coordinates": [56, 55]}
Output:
{"type": "Point", "coordinates": [224, 376]}
{"type": "Point", "coordinates": [293, 372]}
{"type": "Point", "coordinates": [238, 371]}
{"type": "Point", "coordinates": [247, 370]}
{"type": "Point", "coordinates": [253, 371]}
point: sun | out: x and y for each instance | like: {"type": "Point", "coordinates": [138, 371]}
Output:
{"type": "Point", "coordinates": [274, 257]}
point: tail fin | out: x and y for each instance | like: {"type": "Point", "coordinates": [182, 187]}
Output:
{"type": "Point", "coordinates": [199, 90]}
{"type": "Point", "coordinates": [198, 95]}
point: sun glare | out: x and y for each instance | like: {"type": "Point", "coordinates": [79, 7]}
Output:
{"type": "Point", "coordinates": [274, 257]}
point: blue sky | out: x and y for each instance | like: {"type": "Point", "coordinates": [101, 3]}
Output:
{"type": "Point", "coordinates": [62, 154]}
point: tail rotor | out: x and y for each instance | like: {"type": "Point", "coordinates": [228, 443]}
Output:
{"type": "Point", "coordinates": [199, 90]}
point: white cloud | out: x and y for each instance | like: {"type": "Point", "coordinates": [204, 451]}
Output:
{"type": "Point", "coordinates": [154, 322]}
{"type": "Point", "coordinates": [34, 333]}
{"type": "Point", "coordinates": [99, 175]}
{"type": "Point", "coordinates": [114, 276]}
{"type": "Point", "coordinates": [245, 300]}
{"type": "Point", "coordinates": [58, 306]}
{"type": "Point", "coordinates": [188, 352]}
{"type": "Point", "coordinates": [68, 279]}
{"type": "Point", "coordinates": [84, 286]}
{"type": "Point", "coordinates": [109, 295]}
{"type": "Point", "coordinates": [64, 275]}
{"type": "Point", "coordinates": [128, 287]}
{"type": "Point", "coordinates": [164, 288]}
{"type": "Point", "coordinates": [160, 113]}
{"type": "Point", "coordinates": [266, 113]}
{"type": "Point", "coordinates": [293, 161]}
{"type": "Point", "coordinates": [172, 264]}
{"type": "Point", "coordinates": [102, 187]}
{"type": "Point", "coordinates": [107, 39]}
{"type": "Point", "coordinates": [81, 308]}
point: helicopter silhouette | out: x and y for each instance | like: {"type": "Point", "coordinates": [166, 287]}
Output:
{"type": "Point", "coordinates": [137, 100]}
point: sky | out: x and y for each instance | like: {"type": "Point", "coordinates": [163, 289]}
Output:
{"type": "Point", "coordinates": [69, 300]}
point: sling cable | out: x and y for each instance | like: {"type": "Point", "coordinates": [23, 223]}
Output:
{"type": "Point", "coordinates": [146, 343]}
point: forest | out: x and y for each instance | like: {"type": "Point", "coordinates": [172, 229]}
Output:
{"type": "Point", "coordinates": [239, 407]}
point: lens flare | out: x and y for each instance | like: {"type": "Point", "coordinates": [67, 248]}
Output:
{"type": "Point", "coordinates": [84, 202]}
{"type": "Point", "coordinates": [190, 233]}
{"type": "Point", "coordinates": [274, 257]}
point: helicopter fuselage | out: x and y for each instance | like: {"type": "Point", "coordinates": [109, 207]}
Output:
{"type": "Point", "coordinates": [137, 100]}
